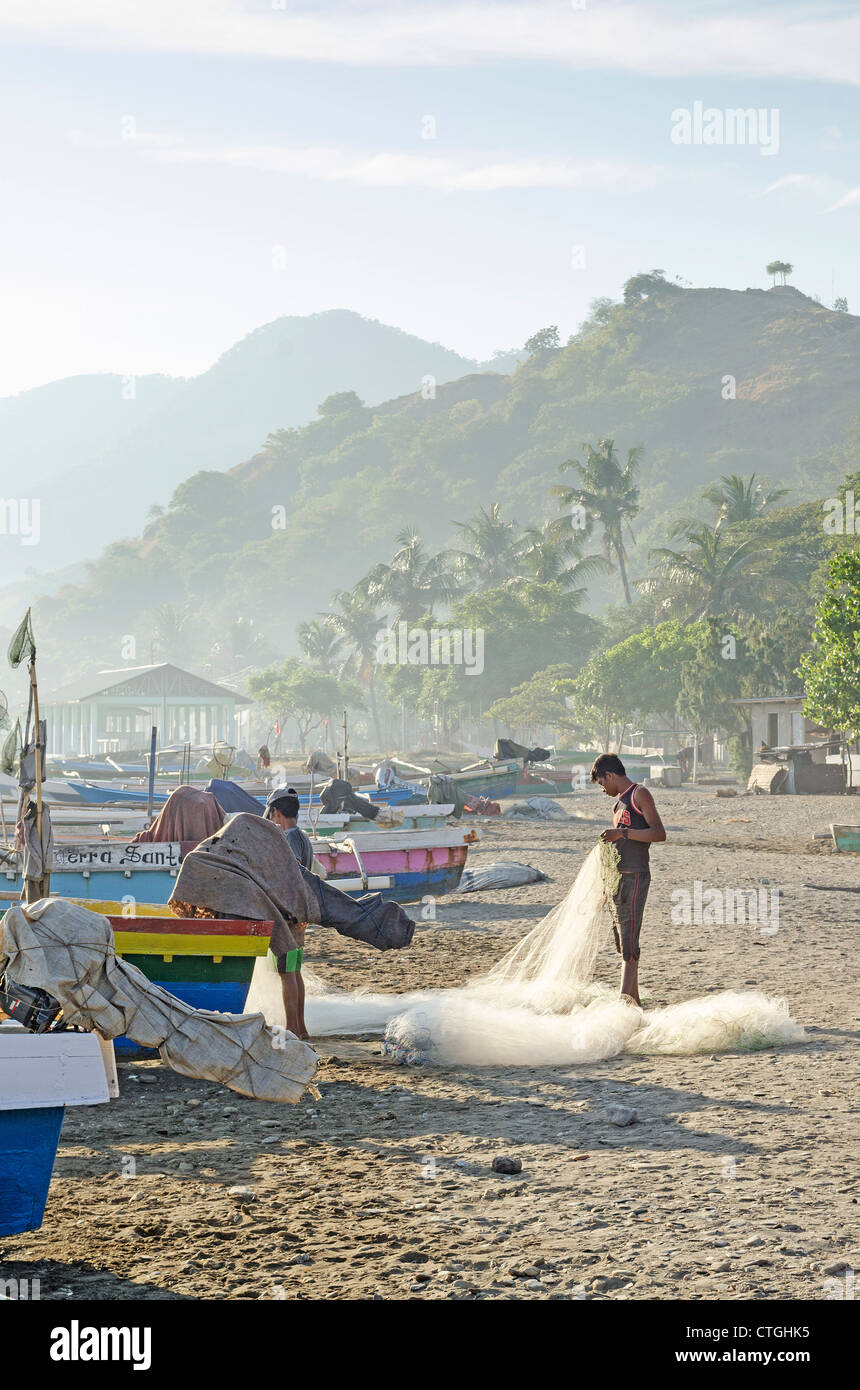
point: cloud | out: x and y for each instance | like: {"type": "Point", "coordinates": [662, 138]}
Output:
{"type": "Point", "coordinates": [627, 37]}
{"type": "Point", "coordinates": [848, 200]}
{"type": "Point", "coordinates": [392, 169]}
{"type": "Point", "coordinates": [808, 183]}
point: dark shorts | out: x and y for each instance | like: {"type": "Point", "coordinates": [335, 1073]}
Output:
{"type": "Point", "coordinates": [627, 908]}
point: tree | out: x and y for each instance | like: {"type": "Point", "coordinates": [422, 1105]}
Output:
{"type": "Point", "coordinates": [294, 691]}
{"type": "Point", "coordinates": [415, 582]}
{"type": "Point", "coordinates": [546, 340]}
{"type": "Point", "coordinates": [646, 284]}
{"type": "Point", "coordinates": [356, 621]}
{"type": "Point", "coordinates": [538, 703]}
{"type": "Point", "coordinates": [491, 549]}
{"type": "Point", "coordinates": [549, 553]}
{"type": "Point", "coordinates": [831, 672]}
{"type": "Point", "coordinates": [609, 491]}
{"type": "Point", "coordinates": [741, 499]}
{"type": "Point", "coordinates": [781, 268]}
{"type": "Point", "coordinates": [340, 403]}
{"type": "Point", "coordinates": [320, 643]}
{"type": "Point", "coordinates": [711, 576]}
{"type": "Point", "coordinates": [172, 633]}
{"type": "Point", "coordinates": [840, 304]}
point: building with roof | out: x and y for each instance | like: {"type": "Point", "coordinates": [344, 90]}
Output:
{"type": "Point", "coordinates": [119, 714]}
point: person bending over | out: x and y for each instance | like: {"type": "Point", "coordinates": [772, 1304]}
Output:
{"type": "Point", "coordinates": [282, 807]}
{"type": "Point", "coordinates": [636, 825]}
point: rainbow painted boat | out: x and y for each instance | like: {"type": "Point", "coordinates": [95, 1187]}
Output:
{"type": "Point", "coordinates": [207, 962]}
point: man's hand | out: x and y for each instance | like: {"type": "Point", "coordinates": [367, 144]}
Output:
{"type": "Point", "coordinates": [610, 836]}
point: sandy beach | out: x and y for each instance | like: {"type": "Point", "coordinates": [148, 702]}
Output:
{"type": "Point", "coordinates": [737, 1179]}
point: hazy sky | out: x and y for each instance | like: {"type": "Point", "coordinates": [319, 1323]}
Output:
{"type": "Point", "coordinates": [177, 172]}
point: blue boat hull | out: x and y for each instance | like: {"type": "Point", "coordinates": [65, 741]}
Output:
{"type": "Point", "coordinates": [28, 1147]}
{"type": "Point", "coordinates": [225, 997]}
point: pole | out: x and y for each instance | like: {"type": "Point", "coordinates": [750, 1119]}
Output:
{"type": "Point", "coordinates": [151, 791]}
{"type": "Point", "coordinates": [43, 884]}
{"type": "Point", "coordinates": [345, 750]}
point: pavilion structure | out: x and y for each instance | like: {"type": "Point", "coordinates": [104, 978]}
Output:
{"type": "Point", "coordinates": [119, 714]}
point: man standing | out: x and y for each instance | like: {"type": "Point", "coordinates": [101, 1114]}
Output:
{"type": "Point", "coordinates": [636, 825]}
{"type": "Point", "coordinates": [282, 807]}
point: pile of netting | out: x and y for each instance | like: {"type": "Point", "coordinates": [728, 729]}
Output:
{"type": "Point", "coordinates": [540, 1005]}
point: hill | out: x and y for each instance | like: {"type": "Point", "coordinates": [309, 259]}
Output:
{"type": "Point", "coordinates": [710, 381]}
{"type": "Point", "coordinates": [99, 451]}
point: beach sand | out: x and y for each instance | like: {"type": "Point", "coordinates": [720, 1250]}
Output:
{"type": "Point", "coordinates": [737, 1180]}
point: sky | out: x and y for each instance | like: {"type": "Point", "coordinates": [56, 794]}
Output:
{"type": "Point", "coordinates": [175, 173]}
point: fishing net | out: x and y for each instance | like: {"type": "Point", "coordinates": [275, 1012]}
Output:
{"type": "Point", "coordinates": [540, 1005]}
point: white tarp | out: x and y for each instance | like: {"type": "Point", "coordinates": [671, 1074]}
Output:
{"type": "Point", "coordinates": [68, 951]}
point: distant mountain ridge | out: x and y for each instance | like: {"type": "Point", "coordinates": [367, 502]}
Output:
{"type": "Point", "coordinates": [99, 451]}
{"type": "Point", "coordinates": [709, 381]}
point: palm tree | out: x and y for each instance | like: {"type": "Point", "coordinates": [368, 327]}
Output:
{"type": "Point", "coordinates": [707, 578]}
{"type": "Point", "coordinates": [355, 620]}
{"type": "Point", "coordinates": [783, 268]}
{"type": "Point", "coordinates": [609, 492]}
{"type": "Point", "coordinates": [172, 632]}
{"type": "Point", "coordinates": [320, 643]}
{"type": "Point", "coordinates": [414, 582]}
{"type": "Point", "coordinates": [490, 557]}
{"type": "Point", "coordinates": [740, 499]}
{"type": "Point", "coordinates": [549, 554]}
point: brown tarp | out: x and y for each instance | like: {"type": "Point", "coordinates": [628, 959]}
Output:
{"type": "Point", "coordinates": [247, 869]}
{"type": "Point", "coordinates": [187, 814]}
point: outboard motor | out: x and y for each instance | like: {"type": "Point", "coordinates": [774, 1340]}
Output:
{"type": "Point", "coordinates": [34, 1009]}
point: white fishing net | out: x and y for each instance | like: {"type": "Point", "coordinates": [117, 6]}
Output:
{"type": "Point", "coordinates": [540, 1005]}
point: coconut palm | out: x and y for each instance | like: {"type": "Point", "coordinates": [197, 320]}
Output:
{"type": "Point", "coordinates": [741, 499]}
{"type": "Point", "coordinates": [356, 620]}
{"type": "Point", "coordinates": [549, 553]}
{"type": "Point", "coordinates": [490, 553]}
{"type": "Point", "coordinates": [710, 576]}
{"type": "Point", "coordinates": [414, 582]}
{"type": "Point", "coordinates": [320, 643]}
{"type": "Point", "coordinates": [608, 491]}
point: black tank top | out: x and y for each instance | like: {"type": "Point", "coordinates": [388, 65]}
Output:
{"type": "Point", "coordinates": [633, 853]}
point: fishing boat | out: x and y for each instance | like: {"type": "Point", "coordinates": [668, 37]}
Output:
{"type": "Point", "coordinates": [419, 863]}
{"type": "Point", "coordinates": [846, 838]}
{"type": "Point", "coordinates": [403, 864]}
{"type": "Point", "coordinates": [106, 869]}
{"type": "Point", "coordinates": [40, 1074]}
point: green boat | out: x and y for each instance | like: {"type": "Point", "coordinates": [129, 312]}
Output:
{"type": "Point", "coordinates": [846, 838]}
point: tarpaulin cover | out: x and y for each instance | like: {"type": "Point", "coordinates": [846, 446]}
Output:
{"type": "Point", "coordinates": [501, 875]}
{"type": "Point", "coordinates": [247, 869]}
{"type": "Point", "coordinates": [232, 798]}
{"type": "Point", "coordinates": [187, 814]}
{"type": "Point", "coordinates": [60, 947]}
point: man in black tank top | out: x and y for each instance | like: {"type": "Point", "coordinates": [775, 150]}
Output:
{"type": "Point", "coordinates": [636, 825]}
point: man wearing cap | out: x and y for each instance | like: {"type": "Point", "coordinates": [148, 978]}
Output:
{"type": "Point", "coordinates": [282, 807]}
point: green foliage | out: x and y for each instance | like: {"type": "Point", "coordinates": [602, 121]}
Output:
{"type": "Point", "coordinates": [340, 403]}
{"type": "Point", "coordinates": [546, 340]}
{"type": "Point", "coordinates": [647, 284]}
{"type": "Point", "coordinates": [295, 691]}
{"type": "Point", "coordinates": [538, 703]}
{"type": "Point", "coordinates": [831, 673]}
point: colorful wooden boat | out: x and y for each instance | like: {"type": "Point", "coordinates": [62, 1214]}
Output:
{"type": "Point", "coordinates": [111, 869]}
{"type": "Point", "coordinates": [846, 838]}
{"type": "Point", "coordinates": [40, 1074]}
{"type": "Point", "coordinates": [419, 863]}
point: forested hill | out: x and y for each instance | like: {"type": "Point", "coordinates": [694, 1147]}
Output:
{"type": "Point", "coordinates": [99, 451]}
{"type": "Point", "coordinates": [709, 381]}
